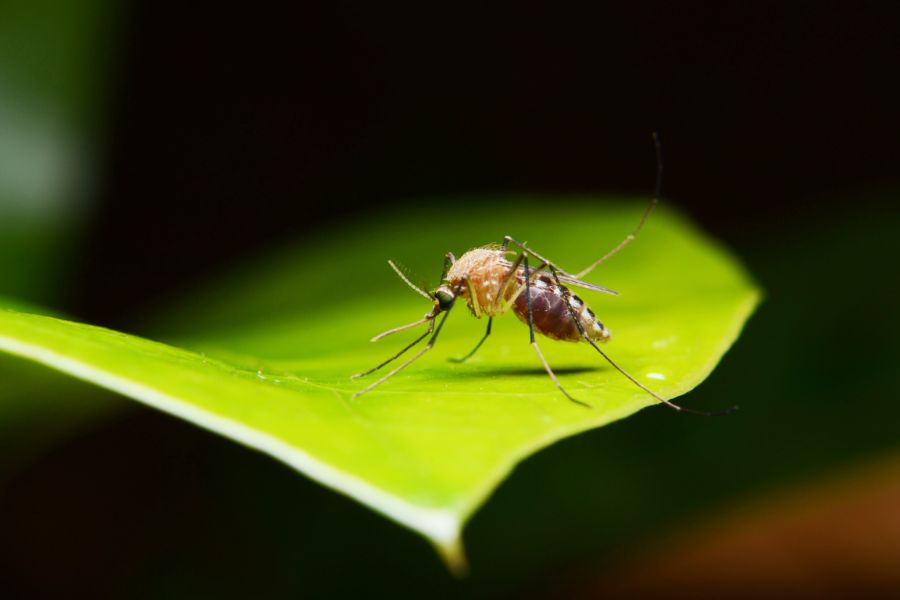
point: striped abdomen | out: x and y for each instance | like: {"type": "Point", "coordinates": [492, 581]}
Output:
{"type": "Point", "coordinates": [552, 317]}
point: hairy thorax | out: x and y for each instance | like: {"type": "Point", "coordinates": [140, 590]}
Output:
{"type": "Point", "coordinates": [480, 274]}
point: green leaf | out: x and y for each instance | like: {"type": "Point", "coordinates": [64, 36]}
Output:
{"type": "Point", "coordinates": [429, 446]}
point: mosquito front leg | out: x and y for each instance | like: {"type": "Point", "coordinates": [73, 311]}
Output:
{"type": "Point", "coordinates": [399, 354]}
{"type": "Point", "coordinates": [427, 347]}
{"type": "Point", "coordinates": [449, 259]}
{"type": "Point", "coordinates": [534, 342]}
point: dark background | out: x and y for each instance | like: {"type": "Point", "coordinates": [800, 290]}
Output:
{"type": "Point", "coordinates": [233, 131]}
{"type": "Point", "coordinates": [236, 128]}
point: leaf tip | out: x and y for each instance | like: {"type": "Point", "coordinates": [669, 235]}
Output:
{"type": "Point", "coordinates": [453, 554]}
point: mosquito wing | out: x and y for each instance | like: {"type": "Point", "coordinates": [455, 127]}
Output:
{"type": "Point", "coordinates": [588, 286]}
{"type": "Point", "coordinates": [566, 278]}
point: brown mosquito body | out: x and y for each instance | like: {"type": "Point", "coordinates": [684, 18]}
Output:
{"type": "Point", "coordinates": [491, 285]}
{"type": "Point", "coordinates": [491, 282]}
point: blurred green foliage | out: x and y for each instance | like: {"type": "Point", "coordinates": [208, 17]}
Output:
{"type": "Point", "coordinates": [55, 61]}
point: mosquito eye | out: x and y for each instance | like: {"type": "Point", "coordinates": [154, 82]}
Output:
{"type": "Point", "coordinates": [445, 300]}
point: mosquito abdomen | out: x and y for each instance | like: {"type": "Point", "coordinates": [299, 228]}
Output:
{"type": "Point", "coordinates": [552, 317]}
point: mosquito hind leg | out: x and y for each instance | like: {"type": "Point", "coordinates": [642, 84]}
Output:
{"type": "Point", "coordinates": [629, 376]}
{"type": "Point", "coordinates": [507, 240]}
{"type": "Point", "coordinates": [534, 343]}
{"type": "Point", "coordinates": [653, 202]}
{"type": "Point", "coordinates": [477, 346]}
{"type": "Point", "coordinates": [628, 239]}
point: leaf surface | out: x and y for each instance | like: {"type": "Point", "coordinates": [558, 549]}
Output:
{"type": "Point", "coordinates": [268, 359]}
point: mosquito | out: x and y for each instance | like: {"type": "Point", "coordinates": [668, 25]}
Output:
{"type": "Point", "coordinates": [491, 284]}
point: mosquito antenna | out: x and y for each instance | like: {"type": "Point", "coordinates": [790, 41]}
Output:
{"type": "Point", "coordinates": [402, 327]}
{"type": "Point", "coordinates": [406, 280]}
{"type": "Point", "coordinates": [657, 192]}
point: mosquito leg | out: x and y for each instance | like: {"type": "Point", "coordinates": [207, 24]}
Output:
{"type": "Point", "coordinates": [396, 370]}
{"type": "Point", "coordinates": [500, 304]}
{"type": "Point", "coordinates": [476, 305]}
{"type": "Point", "coordinates": [628, 239]}
{"type": "Point", "coordinates": [449, 259]}
{"type": "Point", "coordinates": [510, 240]}
{"type": "Point", "coordinates": [653, 202]}
{"type": "Point", "coordinates": [508, 278]}
{"type": "Point", "coordinates": [399, 354]}
{"type": "Point", "coordinates": [534, 343]}
{"type": "Point", "coordinates": [566, 297]}
{"type": "Point", "coordinates": [477, 346]}
{"type": "Point", "coordinates": [532, 276]}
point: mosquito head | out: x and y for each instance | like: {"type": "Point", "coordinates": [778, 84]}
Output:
{"type": "Point", "coordinates": [443, 298]}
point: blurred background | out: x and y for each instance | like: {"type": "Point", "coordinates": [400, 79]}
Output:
{"type": "Point", "coordinates": [145, 148]}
